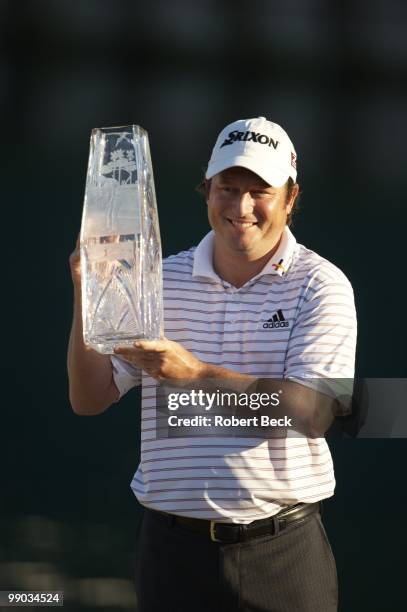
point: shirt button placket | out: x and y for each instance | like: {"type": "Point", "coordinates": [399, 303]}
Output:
{"type": "Point", "coordinates": [232, 306]}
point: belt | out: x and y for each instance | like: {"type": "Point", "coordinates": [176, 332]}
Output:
{"type": "Point", "coordinates": [229, 533]}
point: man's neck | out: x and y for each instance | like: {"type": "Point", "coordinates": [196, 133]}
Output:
{"type": "Point", "coordinates": [237, 268]}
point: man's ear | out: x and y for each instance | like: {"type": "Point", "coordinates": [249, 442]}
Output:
{"type": "Point", "coordinates": [292, 197]}
{"type": "Point", "coordinates": [207, 185]}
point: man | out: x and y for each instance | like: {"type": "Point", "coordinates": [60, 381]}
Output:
{"type": "Point", "coordinates": [230, 522]}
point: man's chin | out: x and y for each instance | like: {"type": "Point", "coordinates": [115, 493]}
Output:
{"type": "Point", "coordinates": [243, 246]}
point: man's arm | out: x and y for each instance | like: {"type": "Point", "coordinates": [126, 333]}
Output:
{"type": "Point", "coordinates": [311, 412]}
{"type": "Point", "coordinates": [91, 386]}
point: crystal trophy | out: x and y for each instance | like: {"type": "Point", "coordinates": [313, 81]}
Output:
{"type": "Point", "coordinates": [120, 242]}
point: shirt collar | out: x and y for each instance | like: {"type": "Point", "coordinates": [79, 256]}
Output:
{"type": "Point", "coordinates": [278, 264]}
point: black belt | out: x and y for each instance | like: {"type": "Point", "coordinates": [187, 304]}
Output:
{"type": "Point", "coordinates": [229, 533]}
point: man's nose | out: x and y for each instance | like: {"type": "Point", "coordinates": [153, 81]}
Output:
{"type": "Point", "coordinates": [244, 204]}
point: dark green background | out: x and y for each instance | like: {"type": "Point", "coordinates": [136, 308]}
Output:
{"type": "Point", "coordinates": [333, 74]}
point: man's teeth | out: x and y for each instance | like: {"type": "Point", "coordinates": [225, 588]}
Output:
{"type": "Point", "coordinates": [242, 223]}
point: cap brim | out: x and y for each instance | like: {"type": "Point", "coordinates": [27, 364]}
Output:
{"type": "Point", "coordinates": [272, 176]}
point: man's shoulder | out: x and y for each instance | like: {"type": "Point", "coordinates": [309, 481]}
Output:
{"type": "Point", "coordinates": [316, 270]}
{"type": "Point", "coordinates": [180, 262]}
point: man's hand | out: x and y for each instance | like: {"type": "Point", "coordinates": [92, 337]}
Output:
{"type": "Point", "coordinates": [75, 264]}
{"type": "Point", "coordinates": [163, 359]}
{"type": "Point", "coordinates": [91, 386]}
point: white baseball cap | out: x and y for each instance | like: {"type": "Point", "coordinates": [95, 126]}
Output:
{"type": "Point", "coordinates": [258, 145]}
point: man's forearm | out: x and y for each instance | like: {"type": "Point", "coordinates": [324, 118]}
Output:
{"type": "Point", "coordinates": [91, 385]}
{"type": "Point", "coordinates": [312, 412]}
{"type": "Point", "coordinates": [167, 361]}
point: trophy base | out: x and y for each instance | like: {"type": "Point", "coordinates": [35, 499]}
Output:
{"type": "Point", "coordinates": [107, 342]}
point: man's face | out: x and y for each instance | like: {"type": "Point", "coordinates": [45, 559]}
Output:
{"type": "Point", "coordinates": [247, 215]}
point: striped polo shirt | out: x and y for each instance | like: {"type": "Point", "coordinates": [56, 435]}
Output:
{"type": "Point", "coordinates": [244, 479]}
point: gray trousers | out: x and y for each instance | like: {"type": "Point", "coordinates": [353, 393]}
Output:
{"type": "Point", "coordinates": [178, 570]}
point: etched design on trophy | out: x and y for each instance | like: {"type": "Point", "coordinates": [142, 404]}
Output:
{"type": "Point", "coordinates": [120, 242]}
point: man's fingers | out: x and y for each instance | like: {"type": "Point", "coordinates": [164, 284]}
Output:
{"type": "Point", "coordinates": [156, 346]}
{"type": "Point", "coordinates": [145, 354]}
{"type": "Point", "coordinates": [146, 346]}
{"type": "Point", "coordinates": [139, 356]}
{"type": "Point", "coordinates": [128, 352]}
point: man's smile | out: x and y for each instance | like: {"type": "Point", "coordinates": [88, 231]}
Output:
{"type": "Point", "coordinates": [242, 223]}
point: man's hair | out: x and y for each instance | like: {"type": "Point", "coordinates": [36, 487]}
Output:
{"type": "Point", "coordinates": [204, 187]}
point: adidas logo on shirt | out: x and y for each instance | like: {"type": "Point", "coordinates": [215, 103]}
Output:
{"type": "Point", "coordinates": [277, 320]}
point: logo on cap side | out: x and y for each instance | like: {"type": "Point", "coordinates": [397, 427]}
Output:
{"type": "Point", "coordinates": [248, 137]}
{"type": "Point", "coordinates": [293, 160]}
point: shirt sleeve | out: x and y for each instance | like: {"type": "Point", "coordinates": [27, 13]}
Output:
{"type": "Point", "coordinates": [125, 375]}
{"type": "Point", "coordinates": [322, 345]}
